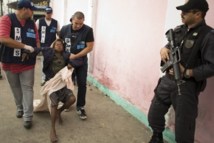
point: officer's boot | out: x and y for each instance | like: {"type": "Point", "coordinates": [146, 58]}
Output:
{"type": "Point", "coordinates": [156, 138]}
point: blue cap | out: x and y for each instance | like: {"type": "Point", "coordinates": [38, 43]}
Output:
{"type": "Point", "coordinates": [25, 4]}
{"type": "Point", "coordinates": [48, 10]}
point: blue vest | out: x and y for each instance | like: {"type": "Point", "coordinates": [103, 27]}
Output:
{"type": "Point", "coordinates": [74, 40]}
{"type": "Point", "coordinates": [25, 35]}
{"type": "Point", "coordinates": [47, 33]}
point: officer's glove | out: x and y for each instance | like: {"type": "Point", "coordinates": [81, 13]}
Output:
{"type": "Point", "coordinates": [29, 48]}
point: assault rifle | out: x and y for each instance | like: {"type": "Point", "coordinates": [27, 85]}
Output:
{"type": "Point", "coordinates": [174, 59]}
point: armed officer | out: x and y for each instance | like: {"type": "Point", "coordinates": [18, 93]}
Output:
{"type": "Point", "coordinates": [196, 41]}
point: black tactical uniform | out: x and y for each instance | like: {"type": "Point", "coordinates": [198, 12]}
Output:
{"type": "Point", "coordinates": [197, 54]}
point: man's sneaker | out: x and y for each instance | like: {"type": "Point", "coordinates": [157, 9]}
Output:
{"type": "Point", "coordinates": [81, 112]}
{"type": "Point", "coordinates": [27, 124]}
{"type": "Point", "coordinates": [19, 114]}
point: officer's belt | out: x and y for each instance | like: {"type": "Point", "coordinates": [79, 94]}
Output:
{"type": "Point", "coordinates": [185, 79]}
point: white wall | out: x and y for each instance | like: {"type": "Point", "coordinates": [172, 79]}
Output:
{"type": "Point", "coordinates": [63, 10]}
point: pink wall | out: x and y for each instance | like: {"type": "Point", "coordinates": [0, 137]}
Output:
{"type": "Point", "coordinates": [205, 121]}
{"type": "Point", "coordinates": [129, 35]}
{"type": "Point", "coordinates": [209, 17]}
{"type": "Point", "coordinates": [128, 38]}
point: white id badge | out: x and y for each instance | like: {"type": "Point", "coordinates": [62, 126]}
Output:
{"type": "Point", "coordinates": [42, 39]}
{"type": "Point", "coordinates": [43, 32]}
{"type": "Point", "coordinates": [17, 52]}
{"type": "Point", "coordinates": [68, 44]}
{"type": "Point", "coordinates": [68, 49]}
{"type": "Point", "coordinates": [68, 41]}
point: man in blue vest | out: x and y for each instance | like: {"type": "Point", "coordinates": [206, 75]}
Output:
{"type": "Point", "coordinates": [48, 29]}
{"type": "Point", "coordinates": [79, 41]}
{"type": "Point", "coordinates": [18, 33]}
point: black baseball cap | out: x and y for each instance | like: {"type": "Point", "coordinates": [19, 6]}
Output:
{"type": "Point", "coordinates": [201, 5]}
{"type": "Point", "coordinates": [48, 10]}
{"type": "Point", "coordinates": [25, 4]}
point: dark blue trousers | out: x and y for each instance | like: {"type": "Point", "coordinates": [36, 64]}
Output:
{"type": "Point", "coordinates": [81, 76]}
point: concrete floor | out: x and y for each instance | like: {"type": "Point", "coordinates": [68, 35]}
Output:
{"type": "Point", "coordinates": [107, 122]}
